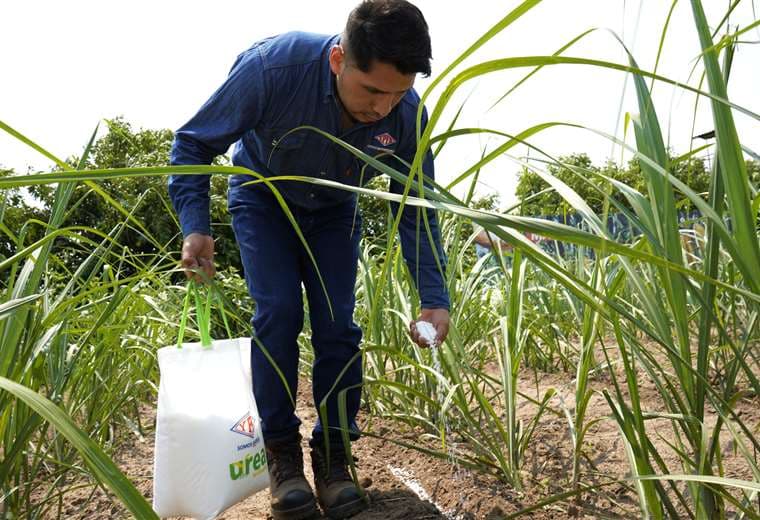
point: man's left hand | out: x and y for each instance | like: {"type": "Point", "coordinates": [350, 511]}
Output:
{"type": "Point", "coordinates": [440, 320]}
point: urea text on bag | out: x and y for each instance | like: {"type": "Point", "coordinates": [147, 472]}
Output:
{"type": "Point", "coordinates": [243, 467]}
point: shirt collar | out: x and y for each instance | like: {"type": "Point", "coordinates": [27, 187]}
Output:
{"type": "Point", "coordinates": [328, 85]}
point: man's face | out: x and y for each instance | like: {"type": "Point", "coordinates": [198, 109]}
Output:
{"type": "Point", "coordinates": [368, 96]}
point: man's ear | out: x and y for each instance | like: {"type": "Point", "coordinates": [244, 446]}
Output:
{"type": "Point", "coordinates": [337, 59]}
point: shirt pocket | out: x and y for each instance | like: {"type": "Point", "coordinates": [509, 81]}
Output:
{"type": "Point", "coordinates": [286, 152]}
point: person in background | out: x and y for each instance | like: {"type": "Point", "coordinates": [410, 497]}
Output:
{"type": "Point", "coordinates": [489, 244]}
{"type": "Point", "coordinates": [358, 86]}
{"type": "Point", "coordinates": [485, 242]}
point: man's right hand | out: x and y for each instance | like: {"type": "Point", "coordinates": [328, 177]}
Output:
{"type": "Point", "coordinates": [198, 253]}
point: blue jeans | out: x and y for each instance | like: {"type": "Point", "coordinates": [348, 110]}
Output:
{"type": "Point", "coordinates": [276, 264]}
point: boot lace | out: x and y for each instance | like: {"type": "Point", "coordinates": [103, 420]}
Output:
{"type": "Point", "coordinates": [286, 462]}
{"type": "Point", "coordinates": [338, 469]}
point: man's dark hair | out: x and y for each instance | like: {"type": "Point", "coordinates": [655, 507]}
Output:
{"type": "Point", "coordinates": [390, 31]}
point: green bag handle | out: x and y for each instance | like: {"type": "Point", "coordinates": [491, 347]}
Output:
{"type": "Point", "coordinates": [203, 313]}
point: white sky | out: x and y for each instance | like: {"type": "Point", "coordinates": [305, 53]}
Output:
{"type": "Point", "coordinates": [66, 65]}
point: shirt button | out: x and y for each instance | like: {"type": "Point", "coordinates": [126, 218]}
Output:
{"type": "Point", "coordinates": [311, 195]}
{"type": "Point", "coordinates": [323, 173]}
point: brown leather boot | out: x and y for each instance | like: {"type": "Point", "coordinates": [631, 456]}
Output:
{"type": "Point", "coordinates": [336, 491]}
{"type": "Point", "coordinates": [292, 498]}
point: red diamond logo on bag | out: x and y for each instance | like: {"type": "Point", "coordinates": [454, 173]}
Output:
{"type": "Point", "coordinates": [385, 139]}
{"type": "Point", "coordinates": [245, 426]}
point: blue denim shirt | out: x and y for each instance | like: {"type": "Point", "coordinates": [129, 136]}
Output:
{"type": "Point", "coordinates": [281, 83]}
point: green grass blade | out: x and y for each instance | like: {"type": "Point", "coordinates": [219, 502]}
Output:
{"type": "Point", "coordinates": [103, 468]}
{"type": "Point", "coordinates": [502, 24]}
{"type": "Point", "coordinates": [734, 169]}
{"type": "Point", "coordinates": [9, 307]}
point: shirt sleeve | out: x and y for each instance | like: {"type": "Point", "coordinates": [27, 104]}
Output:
{"type": "Point", "coordinates": [427, 273]}
{"type": "Point", "coordinates": [235, 108]}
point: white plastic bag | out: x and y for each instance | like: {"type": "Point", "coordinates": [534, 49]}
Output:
{"type": "Point", "coordinates": [209, 453]}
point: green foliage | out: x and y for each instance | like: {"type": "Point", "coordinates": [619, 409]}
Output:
{"type": "Point", "coordinates": [753, 170]}
{"type": "Point", "coordinates": [124, 147]}
{"type": "Point", "coordinates": [16, 210]}
{"type": "Point", "coordinates": [375, 213]}
{"type": "Point", "coordinates": [578, 172]}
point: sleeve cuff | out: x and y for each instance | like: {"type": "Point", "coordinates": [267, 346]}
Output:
{"type": "Point", "coordinates": [193, 222]}
{"type": "Point", "coordinates": [435, 298]}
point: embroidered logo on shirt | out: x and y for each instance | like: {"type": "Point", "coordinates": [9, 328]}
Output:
{"type": "Point", "coordinates": [385, 139]}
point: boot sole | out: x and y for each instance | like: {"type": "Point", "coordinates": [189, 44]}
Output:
{"type": "Point", "coordinates": [345, 510]}
{"type": "Point", "coordinates": [303, 512]}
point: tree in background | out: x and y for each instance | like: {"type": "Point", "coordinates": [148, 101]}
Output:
{"type": "Point", "coordinates": [590, 187]}
{"type": "Point", "coordinates": [375, 212]}
{"type": "Point", "coordinates": [530, 185]}
{"type": "Point", "coordinates": [123, 147]}
{"type": "Point", "coordinates": [753, 169]}
{"type": "Point", "coordinates": [17, 216]}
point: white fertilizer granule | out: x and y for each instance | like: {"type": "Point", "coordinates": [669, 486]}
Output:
{"type": "Point", "coordinates": [426, 332]}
